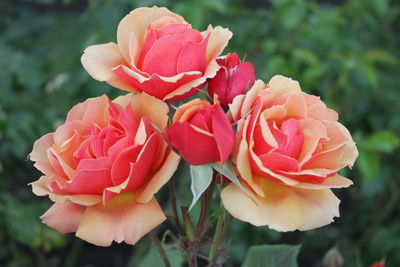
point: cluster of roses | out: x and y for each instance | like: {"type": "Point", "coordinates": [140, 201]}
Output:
{"type": "Point", "coordinates": [103, 166]}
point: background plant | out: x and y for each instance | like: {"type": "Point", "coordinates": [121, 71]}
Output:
{"type": "Point", "coordinates": [345, 51]}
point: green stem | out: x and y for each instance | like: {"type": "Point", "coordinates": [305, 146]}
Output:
{"type": "Point", "coordinates": [172, 197]}
{"type": "Point", "coordinates": [187, 222]}
{"type": "Point", "coordinates": [160, 248]}
{"type": "Point", "coordinates": [205, 205]}
{"type": "Point", "coordinates": [221, 230]}
{"type": "Point", "coordinates": [216, 241]}
{"type": "Point", "coordinates": [73, 253]}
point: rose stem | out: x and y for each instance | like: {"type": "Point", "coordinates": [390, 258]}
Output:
{"type": "Point", "coordinates": [159, 247]}
{"type": "Point", "coordinates": [172, 197]}
{"type": "Point", "coordinates": [205, 204]}
{"type": "Point", "coordinates": [220, 231]}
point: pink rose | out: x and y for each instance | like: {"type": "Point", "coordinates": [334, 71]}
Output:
{"type": "Point", "coordinates": [102, 168]}
{"type": "Point", "coordinates": [232, 79]}
{"type": "Point", "coordinates": [289, 148]}
{"type": "Point", "coordinates": [201, 133]}
{"type": "Point", "coordinates": [158, 53]}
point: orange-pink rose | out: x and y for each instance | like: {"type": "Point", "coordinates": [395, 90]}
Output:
{"type": "Point", "coordinates": [159, 53]}
{"type": "Point", "coordinates": [289, 148]}
{"type": "Point", "coordinates": [102, 168]}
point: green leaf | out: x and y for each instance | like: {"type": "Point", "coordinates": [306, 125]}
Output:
{"type": "Point", "coordinates": [382, 141]}
{"type": "Point", "coordinates": [201, 179]}
{"type": "Point", "coordinates": [272, 256]}
{"type": "Point", "coordinates": [153, 258]}
{"type": "Point", "coordinates": [227, 171]}
{"type": "Point", "coordinates": [368, 163]}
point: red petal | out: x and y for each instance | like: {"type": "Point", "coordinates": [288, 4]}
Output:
{"type": "Point", "coordinates": [122, 164]}
{"type": "Point", "coordinates": [275, 161]}
{"type": "Point", "coordinates": [140, 169]}
{"type": "Point", "coordinates": [195, 147]}
{"type": "Point", "coordinates": [294, 143]}
{"type": "Point", "coordinates": [163, 56]}
{"type": "Point", "coordinates": [193, 57]}
{"type": "Point", "coordinates": [90, 177]}
{"type": "Point", "coordinates": [158, 87]}
{"type": "Point", "coordinates": [223, 132]}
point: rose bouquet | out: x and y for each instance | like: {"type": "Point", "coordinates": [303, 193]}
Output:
{"type": "Point", "coordinates": [273, 151]}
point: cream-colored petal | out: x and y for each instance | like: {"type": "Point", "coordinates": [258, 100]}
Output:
{"type": "Point", "coordinates": [218, 41]}
{"type": "Point", "coordinates": [283, 208]}
{"type": "Point", "coordinates": [81, 199]}
{"type": "Point", "coordinates": [145, 105]}
{"type": "Point", "coordinates": [266, 132]}
{"type": "Point", "coordinates": [121, 220]}
{"type": "Point", "coordinates": [251, 97]}
{"type": "Point", "coordinates": [99, 60]}
{"type": "Point", "coordinates": [284, 84]}
{"type": "Point", "coordinates": [39, 187]}
{"type": "Point", "coordinates": [210, 72]}
{"type": "Point", "coordinates": [137, 23]}
{"type": "Point", "coordinates": [63, 217]}
{"type": "Point", "coordinates": [313, 131]}
{"type": "Point", "coordinates": [244, 168]}
{"type": "Point", "coordinates": [160, 178]}
{"type": "Point", "coordinates": [235, 107]}
{"type": "Point", "coordinates": [39, 153]}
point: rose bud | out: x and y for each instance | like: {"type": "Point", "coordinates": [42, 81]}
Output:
{"type": "Point", "coordinates": [288, 151]}
{"type": "Point", "coordinates": [378, 264]}
{"type": "Point", "coordinates": [159, 53]}
{"type": "Point", "coordinates": [232, 79]}
{"type": "Point", "coordinates": [102, 168]}
{"type": "Point", "coordinates": [201, 133]}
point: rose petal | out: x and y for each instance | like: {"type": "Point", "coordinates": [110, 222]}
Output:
{"type": "Point", "coordinates": [122, 219]}
{"type": "Point", "coordinates": [283, 208]}
{"type": "Point", "coordinates": [64, 217]}
{"type": "Point", "coordinates": [137, 23]}
{"type": "Point", "coordinates": [181, 136]}
{"type": "Point", "coordinates": [98, 60]}
{"type": "Point", "coordinates": [223, 132]}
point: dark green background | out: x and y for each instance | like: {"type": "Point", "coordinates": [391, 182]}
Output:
{"type": "Point", "coordinates": [345, 51]}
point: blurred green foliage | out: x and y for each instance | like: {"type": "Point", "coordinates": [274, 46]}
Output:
{"type": "Point", "coordinates": [345, 51]}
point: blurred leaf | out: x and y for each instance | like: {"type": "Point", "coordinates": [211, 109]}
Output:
{"type": "Point", "coordinates": [272, 256]}
{"type": "Point", "coordinates": [305, 56]}
{"type": "Point", "coordinates": [23, 223]}
{"type": "Point", "coordinates": [201, 178]}
{"type": "Point", "coordinates": [293, 14]}
{"type": "Point", "coordinates": [381, 7]}
{"type": "Point", "coordinates": [380, 56]}
{"type": "Point", "coordinates": [369, 72]}
{"type": "Point", "coordinates": [368, 164]}
{"type": "Point", "coordinates": [382, 141]}
{"type": "Point", "coordinates": [333, 258]}
{"type": "Point", "coordinates": [154, 259]}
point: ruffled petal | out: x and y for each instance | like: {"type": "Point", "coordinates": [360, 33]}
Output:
{"type": "Point", "coordinates": [64, 217]}
{"type": "Point", "coordinates": [122, 219]}
{"type": "Point", "coordinates": [99, 60]}
{"type": "Point", "coordinates": [283, 208]}
{"type": "Point", "coordinates": [137, 23]}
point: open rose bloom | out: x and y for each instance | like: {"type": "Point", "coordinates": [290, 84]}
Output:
{"type": "Point", "coordinates": [102, 168]}
{"type": "Point", "coordinates": [289, 148]}
{"type": "Point", "coordinates": [158, 53]}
